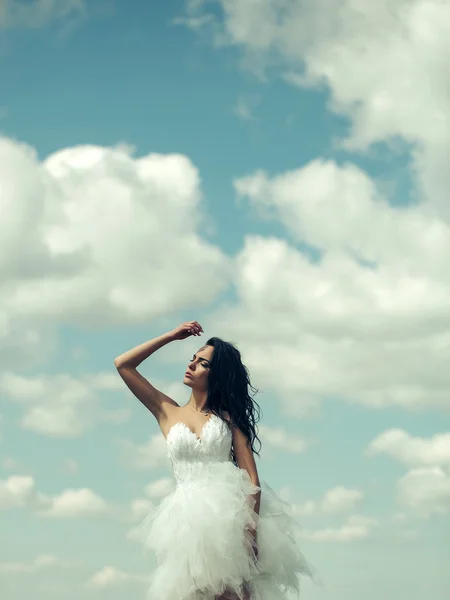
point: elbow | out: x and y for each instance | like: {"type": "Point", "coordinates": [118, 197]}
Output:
{"type": "Point", "coordinates": [119, 363]}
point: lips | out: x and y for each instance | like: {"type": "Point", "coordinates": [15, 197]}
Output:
{"type": "Point", "coordinates": [188, 375]}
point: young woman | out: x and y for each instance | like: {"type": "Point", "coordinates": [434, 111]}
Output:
{"type": "Point", "coordinates": [221, 534]}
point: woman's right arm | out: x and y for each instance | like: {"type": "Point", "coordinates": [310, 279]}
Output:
{"type": "Point", "coordinates": [154, 400]}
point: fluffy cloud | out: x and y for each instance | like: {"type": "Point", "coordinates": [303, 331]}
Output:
{"type": "Point", "coordinates": [425, 491]}
{"type": "Point", "coordinates": [337, 500]}
{"type": "Point", "coordinates": [280, 439]}
{"type": "Point", "coordinates": [149, 455]}
{"type": "Point", "coordinates": [73, 503]}
{"type": "Point", "coordinates": [111, 577]}
{"type": "Point", "coordinates": [110, 239]}
{"type": "Point", "coordinates": [396, 51]}
{"type": "Point", "coordinates": [411, 450]}
{"type": "Point", "coordinates": [356, 307]}
{"type": "Point", "coordinates": [378, 336]}
{"type": "Point", "coordinates": [17, 491]}
{"type": "Point", "coordinates": [44, 561]}
{"type": "Point", "coordinates": [159, 488]}
{"type": "Point", "coordinates": [141, 507]}
{"type": "Point", "coordinates": [62, 405]}
{"type": "Point", "coordinates": [340, 499]}
{"type": "Point", "coordinates": [339, 208]}
{"type": "Point", "coordinates": [153, 492]}
{"type": "Point", "coordinates": [20, 491]}
{"type": "Point", "coordinates": [357, 527]}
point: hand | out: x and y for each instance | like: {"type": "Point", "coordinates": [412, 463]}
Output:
{"type": "Point", "coordinates": [186, 330]}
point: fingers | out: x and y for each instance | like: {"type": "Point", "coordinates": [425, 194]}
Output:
{"type": "Point", "coordinates": [194, 328]}
{"type": "Point", "coordinates": [198, 328]}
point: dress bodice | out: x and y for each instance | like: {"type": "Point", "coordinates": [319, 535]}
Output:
{"type": "Point", "coordinates": [188, 453]}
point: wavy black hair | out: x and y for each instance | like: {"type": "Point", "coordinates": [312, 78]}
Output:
{"type": "Point", "coordinates": [229, 389]}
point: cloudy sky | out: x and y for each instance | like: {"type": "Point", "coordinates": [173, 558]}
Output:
{"type": "Point", "coordinates": [277, 171]}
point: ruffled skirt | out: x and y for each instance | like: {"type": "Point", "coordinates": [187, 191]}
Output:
{"type": "Point", "coordinates": [203, 549]}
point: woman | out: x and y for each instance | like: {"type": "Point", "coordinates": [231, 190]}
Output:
{"type": "Point", "coordinates": [221, 534]}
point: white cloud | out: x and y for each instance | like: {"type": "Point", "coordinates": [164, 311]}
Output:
{"type": "Point", "coordinates": [72, 503]}
{"type": "Point", "coordinates": [306, 509]}
{"type": "Point", "coordinates": [107, 381]}
{"type": "Point", "coordinates": [62, 405]}
{"type": "Point", "coordinates": [109, 577]}
{"type": "Point", "coordinates": [357, 527]}
{"type": "Point", "coordinates": [41, 562]}
{"type": "Point", "coordinates": [90, 214]}
{"type": "Point", "coordinates": [340, 499]}
{"type": "Point", "coordinates": [279, 438]}
{"type": "Point", "coordinates": [338, 329]}
{"type": "Point", "coordinates": [149, 455]}
{"type": "Point", "coordinates": [412, 450]}
{"type": "Point", "coordinates": [425, 491]}
{"type": "Point", "coordinates": [368, 319]}
{"type": "Point", "coordinates": [140, 508]}
{"type": "Point", "coordinates": [396, 53]}
{"type": "Point", "coordinates": [117, 416]}
{"type": "Point", "coordinates": [339, 208]}
{"type": "Point", "coordinates": [20, 491]}
{"type": "Point", "coordinates": [17, 491]}
{"type": "Point", "coordinates": [159, 488]}
{"type": "Point", "coordinates": [337, 500]}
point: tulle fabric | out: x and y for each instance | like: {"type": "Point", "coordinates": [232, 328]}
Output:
{"type": "Point", "coordinates": [198, 535]}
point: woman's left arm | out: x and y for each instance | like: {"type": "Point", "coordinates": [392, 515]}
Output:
{"type": "Point", "coordinates": [246, 460]}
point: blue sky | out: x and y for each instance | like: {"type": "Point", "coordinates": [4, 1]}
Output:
{"type": "Point", "coordinates": [269, 173]}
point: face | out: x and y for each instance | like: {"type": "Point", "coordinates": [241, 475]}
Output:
{"type": "Point", "coordinates": [197, 373]}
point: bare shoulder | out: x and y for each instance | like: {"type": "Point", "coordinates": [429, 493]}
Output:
{"type": "Point", "coordinates": [239, 437]}
{"type": "Point", "coordinates": [237, 433]}
{"type": "Point", "coordinates": [226, 415]}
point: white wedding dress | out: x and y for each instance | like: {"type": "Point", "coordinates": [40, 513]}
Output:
{"type": "Point", "coordinates": [198, 532]}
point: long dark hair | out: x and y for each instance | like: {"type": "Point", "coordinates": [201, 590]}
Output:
{"type": "Point", "coordinates": [229, 389]}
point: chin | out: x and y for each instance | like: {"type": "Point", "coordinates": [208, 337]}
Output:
{"type": "Point", "coordinates": [187, 381]}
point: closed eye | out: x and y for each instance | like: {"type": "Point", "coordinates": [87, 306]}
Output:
{"type": "Point", "coordinates": [204, 364]}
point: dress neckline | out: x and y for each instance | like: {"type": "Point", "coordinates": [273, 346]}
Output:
{"type": "Point", "coordinates": [199, 437]}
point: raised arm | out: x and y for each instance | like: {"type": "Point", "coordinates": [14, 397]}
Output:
{"type": "Point", "coordinates": [153, 399]}
{"type": "Point", "coordinates": [126, 364]}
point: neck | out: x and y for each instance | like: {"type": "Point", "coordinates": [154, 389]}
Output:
{"type": "Point", "coordinates": [198, 400]}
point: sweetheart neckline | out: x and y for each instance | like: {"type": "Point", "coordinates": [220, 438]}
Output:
{"type": "Point", "coordinates": [198, 438]}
